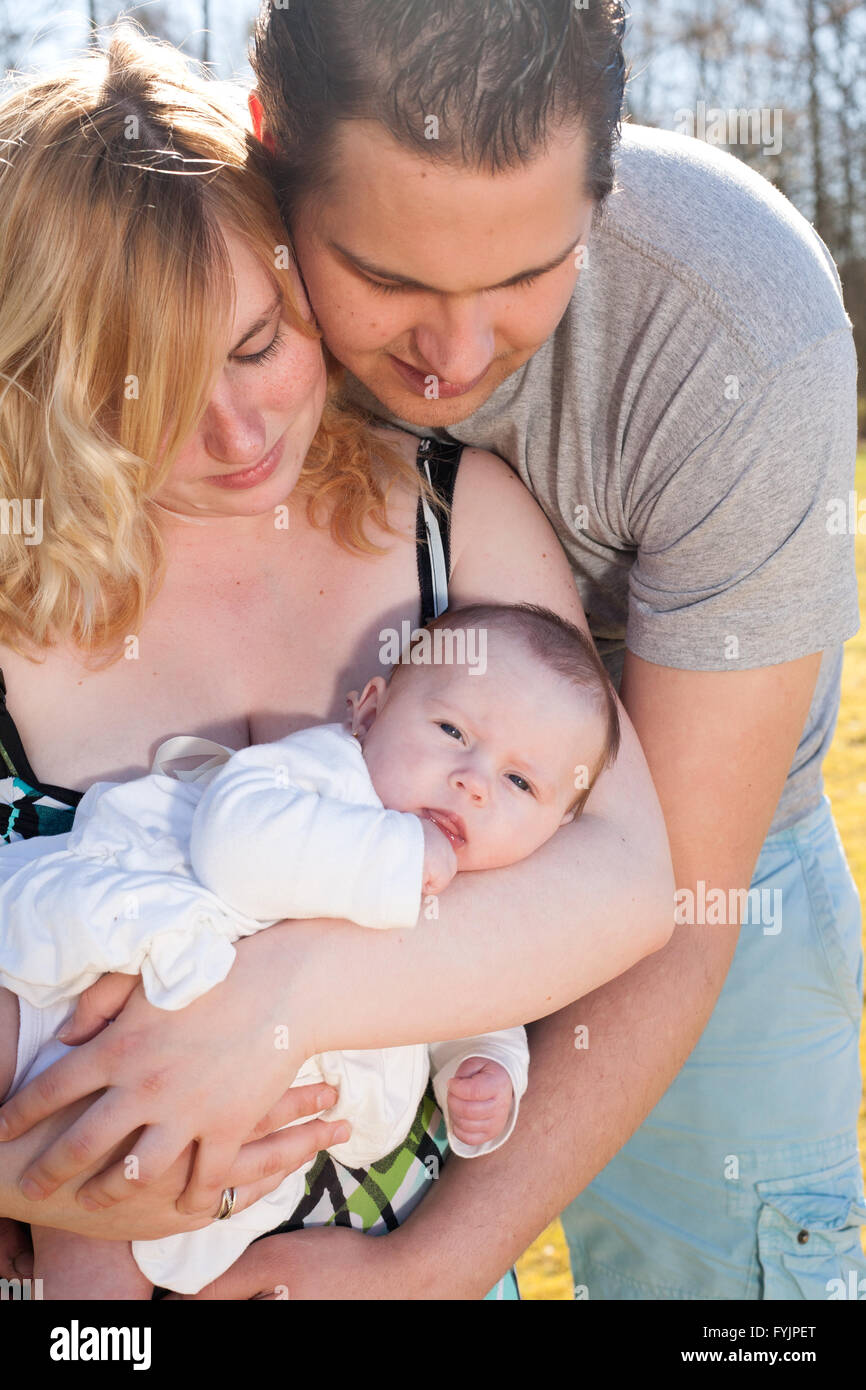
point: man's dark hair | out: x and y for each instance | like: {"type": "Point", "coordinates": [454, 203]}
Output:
{"type": "Point", "coordinates": [556, 645]}
{"type": "Point", "coordinates": [498, 76]}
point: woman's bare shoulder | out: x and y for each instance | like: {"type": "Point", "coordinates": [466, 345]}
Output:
{"type": "Point", "coordinates": [503, 547]}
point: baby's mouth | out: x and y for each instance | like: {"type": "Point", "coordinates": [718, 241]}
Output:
{"type": "Point", "coordinates": [450, 825]}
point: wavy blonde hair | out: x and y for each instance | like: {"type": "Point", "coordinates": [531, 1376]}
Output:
{"type": "Point", "coordinates": [116, 172]}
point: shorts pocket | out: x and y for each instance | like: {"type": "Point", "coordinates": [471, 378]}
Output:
{"type": "Point", "coordinates": [809, 1234]}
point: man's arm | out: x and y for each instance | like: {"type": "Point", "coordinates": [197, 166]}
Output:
{"type": "Point", "coordinates": [719, 746]}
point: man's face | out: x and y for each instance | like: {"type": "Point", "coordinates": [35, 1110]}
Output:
{"type": "Point", "coordinates": [432, 284]}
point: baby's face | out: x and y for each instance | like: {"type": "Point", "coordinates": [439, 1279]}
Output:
{"type": "Point", "coordinates": [494, 759]}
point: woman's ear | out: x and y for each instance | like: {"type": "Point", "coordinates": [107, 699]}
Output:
{"type": "Point", "coordinates": [257, 116]}
{"type": "Point", "coordinates": [567, 818]}
{"type": "Point", "coordinates": [367, 706]}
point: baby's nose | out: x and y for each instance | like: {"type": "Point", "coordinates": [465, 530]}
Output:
{"type": "Point", "coordinates": [470, 782]}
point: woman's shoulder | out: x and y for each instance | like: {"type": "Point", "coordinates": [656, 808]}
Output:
{"type": "Point", "coordinates": [488, 494]}
{"type": "Point", "coordinates": [490, 498]}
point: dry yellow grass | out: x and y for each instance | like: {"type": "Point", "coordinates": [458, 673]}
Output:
{"type": "Point", "coordinates": [544, 1270]}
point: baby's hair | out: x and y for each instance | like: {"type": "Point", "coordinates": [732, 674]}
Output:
{"type": "Point", "coordinates": [559, 645]}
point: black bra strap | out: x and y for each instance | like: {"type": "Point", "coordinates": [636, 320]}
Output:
{"type": "Point", "coordinates": [438, 462]}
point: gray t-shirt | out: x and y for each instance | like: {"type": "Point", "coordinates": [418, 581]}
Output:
{"type": "Point", "coordinates": [690, 430]}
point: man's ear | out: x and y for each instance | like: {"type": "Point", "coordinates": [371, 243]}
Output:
{"type": "Point", "coordinates": [257, 116]}
{"type": "Point", "coordinates": [367, 706]}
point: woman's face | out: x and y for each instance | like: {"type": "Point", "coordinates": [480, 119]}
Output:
{"type": "Point", "coordinates": [265, 408]}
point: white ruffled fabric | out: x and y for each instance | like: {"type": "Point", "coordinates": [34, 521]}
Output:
{"type": "Point", "coordinates": [291, 829]}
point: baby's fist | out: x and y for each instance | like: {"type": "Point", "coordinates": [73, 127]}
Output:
{"type": "Point", "coordinates": [479, 1100]}
{"type": "Point", "coordinates": [440, 861]}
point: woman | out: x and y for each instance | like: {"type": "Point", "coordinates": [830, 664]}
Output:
{"type": "Point", "coordinates": [217, 561]}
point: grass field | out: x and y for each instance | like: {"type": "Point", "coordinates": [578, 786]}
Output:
{"type": "Point", "coordinates": [544, 1271]}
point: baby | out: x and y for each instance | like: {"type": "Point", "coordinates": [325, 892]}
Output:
{"type": "Point", "coordinates": [443, 768]}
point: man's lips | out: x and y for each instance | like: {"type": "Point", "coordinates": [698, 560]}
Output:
{"type": "Point", "coordinates": [450, 825]}
{"type": "Point", "coordinates": [419, 382]}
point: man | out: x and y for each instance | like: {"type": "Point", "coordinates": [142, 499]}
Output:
{"type": "Point", "coordinates": [655, 340]}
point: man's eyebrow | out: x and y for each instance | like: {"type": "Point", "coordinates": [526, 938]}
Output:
{"type": "Point", "coordinates": [260, 323]}
{"type": "Point", "coordinates": [368, 268]}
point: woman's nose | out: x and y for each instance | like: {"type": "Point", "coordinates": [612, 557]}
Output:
{"type": "Point", "coordinates": [230, 433]}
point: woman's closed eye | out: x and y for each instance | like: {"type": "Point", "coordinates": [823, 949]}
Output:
{"type": "Point", "coordinates": [266, 353]}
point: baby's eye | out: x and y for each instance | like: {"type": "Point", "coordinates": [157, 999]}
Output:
{"type": "Point", "coordinates": [451, 731]}
{"type": "Point", "coordinates": [519, 782]}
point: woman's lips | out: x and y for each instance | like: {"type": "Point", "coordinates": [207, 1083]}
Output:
{"type": "Point", "coordinates": [419, 382]}
{"type": "Point", "coordinates": [251, 477]}
{"type": "Point", "coordinates": [450, 825]}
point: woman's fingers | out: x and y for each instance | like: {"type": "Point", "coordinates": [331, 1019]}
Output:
{"type": "Point", "coordinates": [96, 1007]}
{"type": "Point", "coordinates": [274, 1157]}
{"type": "Point", "coordinates": [68, 1080]}
{"type": "Point", "coordinates": [16, 1250]}
{"type": "Point", "coordinates": [294, 1104]}
{"type": "Point", "coordinates": [204, 1190]}
{"type": "Point", "coordinates": [97, 1135]}
{"type": "Point", "coordinates": [262, 1164]}
{"type": "Point", "coordinates": [148, 1157]}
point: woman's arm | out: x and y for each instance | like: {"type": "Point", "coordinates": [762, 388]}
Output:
{"type": "Point", "coordinates": [508, 946]}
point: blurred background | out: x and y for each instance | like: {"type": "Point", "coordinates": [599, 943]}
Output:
{"type": "Point", "coordinates": [781, 85]}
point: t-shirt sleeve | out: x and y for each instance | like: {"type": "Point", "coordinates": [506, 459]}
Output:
{"type": "Point", "coordinates": [745, 545]}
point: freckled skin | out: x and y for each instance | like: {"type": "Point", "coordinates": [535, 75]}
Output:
{"type": "Point", "coordinates": [457, 234]}
{"type": "Point", "coordinates": [252, 406]}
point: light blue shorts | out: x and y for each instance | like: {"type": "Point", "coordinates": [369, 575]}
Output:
{"type": "Point", "coordinates": [744, 1182]}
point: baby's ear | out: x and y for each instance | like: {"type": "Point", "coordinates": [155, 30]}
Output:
{"type": "Point", "coordinates": [366, 706]}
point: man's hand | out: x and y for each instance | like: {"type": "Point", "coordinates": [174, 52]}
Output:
{"type": "Point", "coordinates": [16, 1250]}
{"type": "Point", "coordinates": [318, 1264]}
{"type": "Point", "coordinates": [479, 1100]}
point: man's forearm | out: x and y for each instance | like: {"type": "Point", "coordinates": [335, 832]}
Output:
{"type": "Point", "coordinates": [582, 1105]}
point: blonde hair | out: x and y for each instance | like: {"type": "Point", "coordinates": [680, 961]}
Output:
{"type": "Point", "coordinates": [115, 298]}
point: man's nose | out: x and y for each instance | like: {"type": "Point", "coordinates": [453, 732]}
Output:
{"type": "Point", "coordinates": [232, 434]}
{"type": "Point", "coordinates": [457, 341]}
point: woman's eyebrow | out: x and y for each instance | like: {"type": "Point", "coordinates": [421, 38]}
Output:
{"type": "Point", "coordinates": [368, 268]}
{"type": "Point", "coordinates": [260, 323]}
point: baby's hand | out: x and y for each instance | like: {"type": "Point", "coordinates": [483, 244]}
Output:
{"type": "Point", "coordinates": [440, 861]}
{"type": "Point", "coordinates": [479, 1100]}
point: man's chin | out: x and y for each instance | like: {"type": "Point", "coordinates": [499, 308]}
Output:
{"type": "Point", "coordinates": [433, 414]}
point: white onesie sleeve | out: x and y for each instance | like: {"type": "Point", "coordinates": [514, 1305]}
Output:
{"type": "Point", "coordinates": [510, 1048]}
{"type": "Point", "coordinates": [295, 829]}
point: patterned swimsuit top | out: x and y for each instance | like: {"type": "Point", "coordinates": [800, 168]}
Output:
{"type": "Point", "coordinates": [30, 807]}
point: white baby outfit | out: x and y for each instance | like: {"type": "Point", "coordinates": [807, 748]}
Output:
{"type": "Point", "coordinates": [160, 875]}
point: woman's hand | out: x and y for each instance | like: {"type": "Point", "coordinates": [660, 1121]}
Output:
{"type": "Point", "coordinates": [97, 1007]}
{"type": "Point", "coordinates": [321, 1263]}
{"type": "Point", "coordinates": [209, 1075]}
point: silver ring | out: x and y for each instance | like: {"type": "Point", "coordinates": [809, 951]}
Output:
{"type": "Point", "coordinates": [227, 1205]}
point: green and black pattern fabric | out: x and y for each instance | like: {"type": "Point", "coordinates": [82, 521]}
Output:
{"type": "Point", "coordinates": [28, 807]}
{"type": "Point", "coordinates": [377, 1198]}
